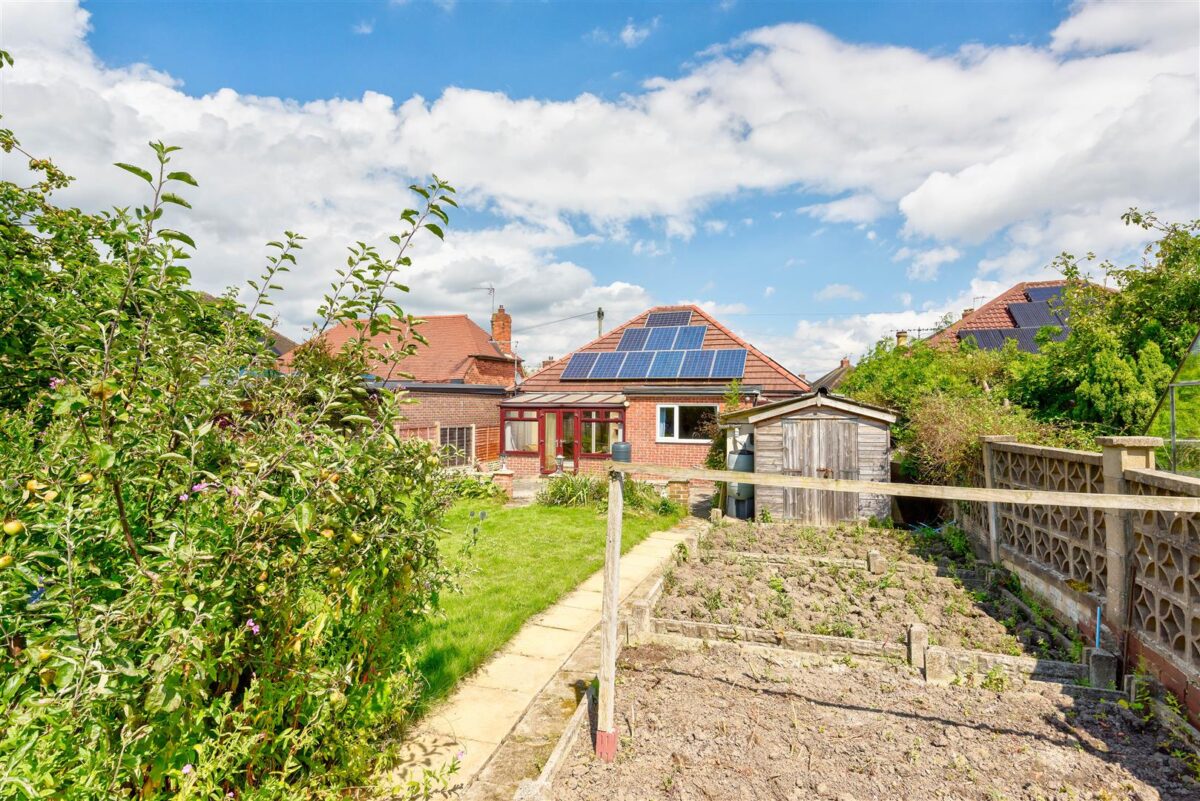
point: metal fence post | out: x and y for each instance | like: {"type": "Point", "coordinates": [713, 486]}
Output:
{"type": "Point", "coordinates": [606, 725]}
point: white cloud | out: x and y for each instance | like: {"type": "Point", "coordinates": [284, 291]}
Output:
{"type": "Point", "coordinates": [1028, 149]}
{"type": "Point", "coordinates": [856, 209]}
{"type": "Point", "coordinates": [716, 309]}
{"type": "Point", "coordinates": [715, 226]}
{"type": "Point", "coordinates": [633, 34]}
{"type": "Point", "coordinates": [768, 291]}
{"type": "Point", "coordinates": [924, 265]}
{"type": "Point", "coordinates": [364, 28]}
{"type": "Point", "coordinates": [648, 247]}
{"type": "Point", "coordinates": [839, 292]}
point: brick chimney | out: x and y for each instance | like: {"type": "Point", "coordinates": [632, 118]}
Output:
{"type": "Point", "coordinates": [901, 339]}
{"type": "Point", "coordinates": [547, 362]}
{"type": "Point", "coordinates": [502, 330]}
{"type": "Point", "coordinates": [967, 313]}
{"type": "Point", "coordinates": [845, 361]}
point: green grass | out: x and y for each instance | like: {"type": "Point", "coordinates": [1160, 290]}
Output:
{"type": "Point", "coordinates": [524, 560]}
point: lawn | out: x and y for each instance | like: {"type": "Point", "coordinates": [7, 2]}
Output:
{"type": "Point", "coordinates": [523, 561]}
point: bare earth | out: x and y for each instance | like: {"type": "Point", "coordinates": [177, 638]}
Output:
{"type": "Point", "coordinates": [730, 723]}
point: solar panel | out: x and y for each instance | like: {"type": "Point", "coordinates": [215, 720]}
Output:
{"type": "Point", "coordinates": [580, 365]}
{"type": "Point", "coordinates": [1033, 315]}
{"type": "Point", "coordinates": [697, 363]}
{"type": "Point", "coordinates": [994, 338]}
{"type": "Point", "coordinates": [690, 338]}
{"type": "Point", "coordinates": [1043, 293]}
{"type": "Point", "coordinates": [674, 318]}
{"type": "Point", "coordinates": [637, 364]}
{"type": "Point", "coordinates": [661, 338]}
{"type": "Point", "coordinates": [633, 339]}
{"type": "Point", "coordinates": [729, 363]}
{"type": "Point", "coordinates": [666, 364]}
{"type": "Point", "coordinates": [608, 365]}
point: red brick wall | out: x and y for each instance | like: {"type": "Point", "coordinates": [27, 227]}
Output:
{"type": "Point", "coordinates": [451, 409]}
{"type": "Point", "coordinates": [488, 371]}
{"type": "Point", "coordinates": [641, 430]}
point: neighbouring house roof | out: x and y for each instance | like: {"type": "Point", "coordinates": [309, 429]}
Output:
{"type": "Point", "coordinates": [820, 398]}
{"type": "Point", "coordinates": [1018, 314]}
{"type": "Point", "coordinates": [760, 370]}
{"type": "Point", "coordinates": [834, 377]}
{"type": "Point", "coordinates": [456, 346]}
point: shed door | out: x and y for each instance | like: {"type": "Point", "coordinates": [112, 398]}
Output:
{"type": "Point", "coordinates": [820, 447]}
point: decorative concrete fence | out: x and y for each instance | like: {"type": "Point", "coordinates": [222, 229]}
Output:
{"type": "Point", "coordinates": [1140, 569]}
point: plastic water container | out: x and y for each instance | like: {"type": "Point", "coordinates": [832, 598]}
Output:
{"type": "Point", "coordinates": [622, 452]}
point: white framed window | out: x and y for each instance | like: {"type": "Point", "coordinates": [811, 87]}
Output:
{"type": "Point", "coordinates": [685, 422]}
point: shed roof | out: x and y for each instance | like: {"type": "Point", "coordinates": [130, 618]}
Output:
{"type": "Point", "coordinates": [819, 398]}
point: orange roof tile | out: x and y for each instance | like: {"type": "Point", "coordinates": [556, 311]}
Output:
{"type": "Point", "coordinates": [454, 343]}
{"type": "Point", "coordinates": [761, 370]}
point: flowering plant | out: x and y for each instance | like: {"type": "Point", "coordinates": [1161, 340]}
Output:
{"type": "Point", "coordinates": [207, 564]}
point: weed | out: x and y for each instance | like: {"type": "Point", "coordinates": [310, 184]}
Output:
{"type": "Point", "coordinates": [764, 515]}
{"type": "Point", "coordinates": [713, 600]}
{"type": "Point", "coordinates": [836, 628]}
{"type": "Point", "coordinates": [847, 660]}
{"type": "Point", "coordinates": [681, 553]}
{"type": "Point", "coordinates": [996, 679]}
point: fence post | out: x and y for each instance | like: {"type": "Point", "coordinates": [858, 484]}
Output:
{"type": "Point", "coordinates": [1120, 454]}
{"type": "Point", "coordinates": [989, 481]}
{"type": "Point", "coordinates": [606, 724]}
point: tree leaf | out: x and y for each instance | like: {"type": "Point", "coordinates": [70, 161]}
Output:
{"type": "Point", "coordinates": [182, 176]}
{"type": "Point", "coordinates": [171, 197]}
{"type": "Point", "coordinates": [104, 455]}
{"type": "Point", "coordinates": [437, 231]}
{"type": "Point", "coordinates": [176, 236]}
{"type": "Point", "coordinates": [138, 171]}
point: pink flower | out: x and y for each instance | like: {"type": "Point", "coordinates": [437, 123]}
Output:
{"type": "Point", "coordinates": [55, 383]}
{"type": "Point", "coordinates": [201, 487]}
{"type": "Point", "coordinates": [183, 496]}
{"type": "Point", "coordinates": [236, 492]}
{"type": "Point", "coordinates": [187, 769]}
{"type": "Point", "coordinates": [254, 627]}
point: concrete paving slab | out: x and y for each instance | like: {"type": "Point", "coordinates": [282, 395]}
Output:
{"type": "Point", "coordinates": [544, 642]}
{"type": "Point", "coordinates": [517, 672]}
{"type": "Point", "coordinates": [567, 617]}
{"type": "Point", "coordinates": [581, 599]}
{"type": "Point", "coordinates": [483, 714]}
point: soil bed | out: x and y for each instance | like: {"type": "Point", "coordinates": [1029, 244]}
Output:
{"type": "Point", "coordinates": [850, 602]}
{"type": "Point", "coordinates": [735, 723]}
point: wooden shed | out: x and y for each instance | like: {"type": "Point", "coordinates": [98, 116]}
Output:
{"type": "Point", "coordinates": [819, 435]}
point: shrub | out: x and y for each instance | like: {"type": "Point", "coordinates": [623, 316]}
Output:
{"type": "Point", "coordinates": [207, 566]}
{"type": "Point", "coordinates": [462, 485]}
{"type": "Point", "coordinates": [581, 490]}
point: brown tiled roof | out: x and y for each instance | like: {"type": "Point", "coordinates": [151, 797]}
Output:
{"type": "Point", "coordinates": [993, 314]}
{"type": "Point", "coordinates": [834, 377]}
{"type": "Point", "coordinates": [454, 344]}
{"type": "Point", "coordinates": [761, 370]}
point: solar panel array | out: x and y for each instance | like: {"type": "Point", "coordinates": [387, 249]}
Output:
{"type": "Point", "coordinates": [672, 337]}
{"type": "Point", "coordinates": [994, 338]}
{"type": "Point", "coordinates": [1033, 315]}
{"type": "Point", "coordinates": [696, 364]}
{"type": "Point", "coordinates": [1043, 309]}
{"type": "Point", "coordinates": [1045, 293]}
{"type": "Point", "coordinates": [674, 318]}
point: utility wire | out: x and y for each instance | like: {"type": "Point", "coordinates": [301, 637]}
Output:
{"type": "Point", "coordinates": [591, 314]}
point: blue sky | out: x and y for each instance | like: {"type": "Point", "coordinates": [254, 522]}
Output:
{"type": "Point", "coordinates": [818, 174]}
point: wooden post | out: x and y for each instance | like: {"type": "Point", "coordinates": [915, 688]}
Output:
{"type": "Point", "coordinates": [606, 724]}
{"type": "Point", "coordinates": [989, 481]}
{"type": "Point", "coordinates": [1120, 453]}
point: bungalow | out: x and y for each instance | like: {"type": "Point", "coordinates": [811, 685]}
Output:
{"type": "Point", "coordinates": [457, 381]}
{"type": "Point", "coordinates": [656, 382]}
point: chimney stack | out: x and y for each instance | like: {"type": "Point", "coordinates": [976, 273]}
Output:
{"type": "Point", "coordinates": [967, 313]}
{"type": "Point", "coordinates": [547, 362]}
{"type": "Point", "coordinates": [845, 361]}
{"type": "Point", "coordinates": [502, 330]}
{"type": "Point", "coordinates": [901, 339]}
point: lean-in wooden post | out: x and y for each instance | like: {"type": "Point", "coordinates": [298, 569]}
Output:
{"type": "Point", "coordinates": [606, 724]}
{"type": "Point", "coordinates": [989, 481]}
